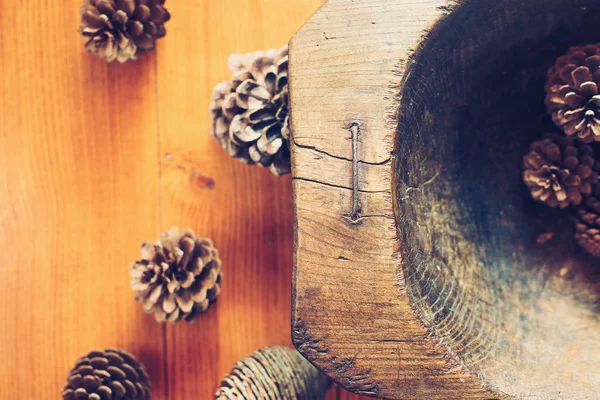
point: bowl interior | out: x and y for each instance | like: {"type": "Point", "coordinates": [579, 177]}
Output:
{"type": "Point", "coordinates": [495, 276]}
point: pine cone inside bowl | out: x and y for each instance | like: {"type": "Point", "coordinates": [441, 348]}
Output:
{"type": "Point", "coordinates": [107, 375]}
{"type": "Point", "coordinates": [560, 171]}
{"type": "Point", "coordinates": [572, 94]}
{"type": "Point", "coordinates": [121, 29]}
{"type": "Point", "coordinates": [178, 277]}
{"type": "Point", "coordinates": [587, 226]}
{"type": "Point", "coordinates": [250, 112]}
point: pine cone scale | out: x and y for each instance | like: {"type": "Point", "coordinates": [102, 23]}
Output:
{"type": "Point", "coordinates": [159, 14]}
{"type": "Point", "coordinates": [105, 7]}
{"type": "Point", "coordinates": [587, 90]}
{"type": "Point", "coordinates": [271, 142]}
{"type": "Point", "coordinates": [135, 28]}
{"type": "Point", "coordinates": [576, 101]}
{"type": "Point", "coordinates": [94, 20]}
{"type": "Point", "coordinates": [581, 75]}
{"type": "Point", "coordinates": [128, 6]}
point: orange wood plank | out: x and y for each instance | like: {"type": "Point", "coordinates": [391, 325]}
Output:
{"type": "Point", "coordinates": [78, 178]}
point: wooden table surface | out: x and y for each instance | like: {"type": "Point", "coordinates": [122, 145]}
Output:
{"type": "Point", "coordinates": [97, 158]}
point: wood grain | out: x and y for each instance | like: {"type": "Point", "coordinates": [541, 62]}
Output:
{"type": "Point", "coordinates": [96, 158]}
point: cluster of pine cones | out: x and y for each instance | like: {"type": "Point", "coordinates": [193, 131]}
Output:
{"type": "Point", "coordinates": [177, 279]}
{"type": "Point", "coordinates": [270, 373]}
{"type": "Point", "coordinates": [179, 276]}
{"type": "Point", "coordinates": [250, 112]}
{"type": "Point", "coordinates": [561, 170]}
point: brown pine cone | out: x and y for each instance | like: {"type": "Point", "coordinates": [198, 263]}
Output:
{"type": "Point", "coordinates": [250, 112]}
{"type": "Point", "coordinates": [178, 277]}
{"type": "Point", "coordinates": [587, 226]}
{"type": "Point", "coordinates": [572, 92]}
{"type": "Point", "coordinates": [120, 29]}
{"type": "Point", "coordinates": [107, 375]}
{"type": "Point", "coordinates": [560, 171]}
{"type": "Point", "coordinates": [273, 373]}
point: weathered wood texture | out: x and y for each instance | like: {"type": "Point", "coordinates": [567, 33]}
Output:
{"type": "Point", "coordinates": [456, 299]}
{"type": "Point", "coordinates": [96, 158]}
{"type": "Point", "coordinates": [521, 315]}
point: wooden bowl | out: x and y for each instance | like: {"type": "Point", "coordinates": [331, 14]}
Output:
{"type": "Point", "coordinates": [424, 270]}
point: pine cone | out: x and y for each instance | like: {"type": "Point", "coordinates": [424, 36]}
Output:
{"type": "Point", "coordinates": [572, 92]}
{"type": "Point", "coordinates": [178, 277]}
{"type": "Point", "coordinates": [273, 373]}
{"type": "Point", "coordinates": [587, 226]}
{"type": "Point", "coordinates": [250, 112]}
{"type": "Point", "coordinates": [560, 171]}
{"type": "Point", "coordinates": [107, 375]}
{"type": "Point", "coordinates": [120, 29]}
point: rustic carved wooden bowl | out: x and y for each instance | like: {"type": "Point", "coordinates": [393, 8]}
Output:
{"type": "Point", "coordinates": [423, 268]}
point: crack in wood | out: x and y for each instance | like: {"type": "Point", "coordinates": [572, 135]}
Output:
{"type": "Point", "coordinates": [319, 151]}
{"type": "Point", "coordinates": [313, 148]}
{"type": "Point", "coordinates": [299, 178]}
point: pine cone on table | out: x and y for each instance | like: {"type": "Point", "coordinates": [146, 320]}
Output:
{"type": "Point", "coordinates": [178, 277]}
{"type": "Point", "coordinates": [121, 29]}
{"type": "Point", "coordinates": [107, 375]}
{"type": "Point", "coordinates": [572, 94]}
{"type": "Point", "coordinates": [273, 373]}
{"type": "Point", "coordinates": [250, 112]}
{"type": "Point", "coordinates": [587, 226]}
{"type": "Point", "coordinates": [560, 171]}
